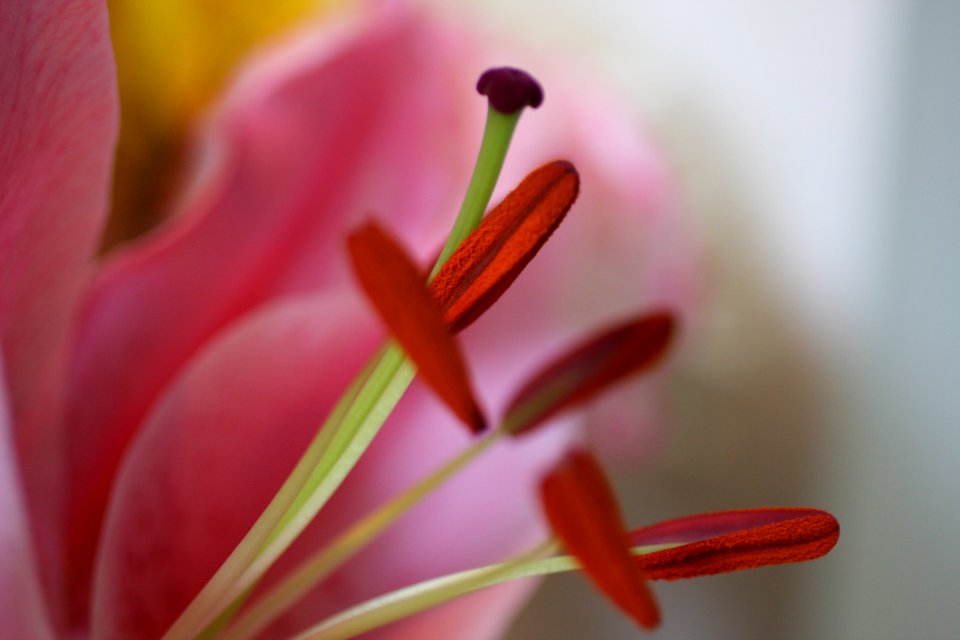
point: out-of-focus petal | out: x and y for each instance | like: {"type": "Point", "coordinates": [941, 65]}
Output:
{"type": "Point", "coordinates": [398, 291]}
{"type": "Point", "coordinates": [22, 610]}
{"type": "Point", "coordinates": [57, 131]}
{"type": "Point", "coordinates": [359, 118]}
{"type": "Point", "coordinates": [215, 450]}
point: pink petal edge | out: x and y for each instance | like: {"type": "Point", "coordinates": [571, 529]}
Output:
{"type": "Point", "coordinates": [58, 125]}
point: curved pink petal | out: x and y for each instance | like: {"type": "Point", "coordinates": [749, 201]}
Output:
{"type": "Point", "coordinates": [361, 118]}
{"type": "Point", "coordinates": [215, 450]}
{"type": "Point", "coordinates": [22, 611]}
{"type": "Point", "coordinates": [58, 125]}
{"type": "Point", "coordinates": [58, 120]}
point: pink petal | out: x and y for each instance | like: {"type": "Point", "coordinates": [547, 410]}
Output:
{"type": "Point", "coordinates": [358, 119]}
{"type": "Point", "coordinates": [22, 610]}
{"type": "Point", "coordinates": [58, 123]}
{"type": "Point", "coordinates": [213, 452]}
{"type": "Point", "coordinates": [59, 127]}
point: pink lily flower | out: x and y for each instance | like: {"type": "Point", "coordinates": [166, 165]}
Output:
{"type": "Point", "coordinates": [152, 402]}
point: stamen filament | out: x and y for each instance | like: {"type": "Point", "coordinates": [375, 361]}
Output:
{"type": "Point", "coordinates": [368, 411]}
{"type": "Point", "coordinates": [366, 414]}
{"type": "Point", "coordinates": [214, 629]}
{"type": "Point", "coordinates": [326, 463]}
{"type": "Point", "coordinates": [419, 597]}
{"type": "Point", "coordinates": [410, 600]}
{"type": "Point", "coordinates": [207, 604]}
{"type": "Point", "coordinates": [315, 568]}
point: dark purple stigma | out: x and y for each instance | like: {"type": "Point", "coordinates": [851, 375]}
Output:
{"type": "Point", "coordinates": [509, 89]}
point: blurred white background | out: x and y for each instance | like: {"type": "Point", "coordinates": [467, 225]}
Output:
{"type": "Point", "coordinates": [818, 143]}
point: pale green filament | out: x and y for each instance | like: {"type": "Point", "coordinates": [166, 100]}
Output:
{"type": "Point", "coordinates": [213, 598]}
{"type": "Point", "coordinates": [408, 601]}
{"type": "Point", "coordinates": [335, 450]}
{"type": "Point", "coordinates": [310, 572]}
{"type": "Point", "coordinates": [341, 440]}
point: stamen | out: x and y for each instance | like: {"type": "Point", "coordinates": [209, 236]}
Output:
{"type": "Point", "coordinates": [492, 257]}
{"type": "Point", "coordinates": [590, 368]}
{"type": "Point", "coordinates": [583, 513]}
{"type": "Point", "coordinates": [735, 540]}
{"type": "Point", "coordinates": [510, 89]}
{"type": "Point", "coordinates": [421, 596]}
{"type": "Point", "coordinates": [397, 289]}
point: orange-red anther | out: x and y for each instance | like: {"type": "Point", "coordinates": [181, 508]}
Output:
{"type": "Point", "coordinates": [582, 511]}
{"type": "Point", "coordinates": [398, 290]}
{"type": "Point", "coordinates": [734, 540]}
{"type": "Point", "coordinates": [491, 257]}
{"type": "Point", "coordinates": [590, 368]}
